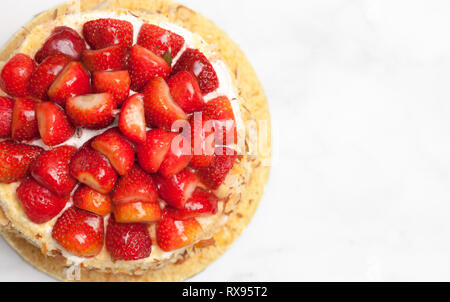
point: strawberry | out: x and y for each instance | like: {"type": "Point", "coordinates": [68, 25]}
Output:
{"type": "Point", "coordinates": [221, 111]}
{"type": "Point", "coordinates": [178, 157]}
{"type": "Point", "coordinates": [132, 119]}
{"type": "Point", "coordinates": [137, 212]}
{"type": "Point", "coordinates": [160, 109]}
{"type": "Point", "coordinates": [93, 169]}
{"type": "Point", "coordinates": [159, 40]}
{"type": "Point", "coordinates": [16, 74]}
{"type": "Point", "coordinates": [128, 241]}
{"type": "Point", "coordinates": [109, 58]}
{"type": "Point", "coordinates": [116, 83]}
{"type": "Point", "coordinates": [45, 74]}
{"type": "Point", "coordinates": [51, 170]}
{"type": "Point", "coordinates": [91, 111]}
{"type": "Point", "coordinates": [80, 232]}
{"type": "Point", "coordinates": [15, 160]}
{"type": "Point", "coordinates": [24, 126]}
{"type": "Point", "coordinates": [103, 33]}
{"type": "Point", "coordinates": [90, 200]}
{"type": "Point", "coordinates": [215, 174]}
{"type": "Point", "coordinates": [151, 154]}
{"type": "Point", "coordinates": [53, 125]}
{"type": "Point", "coordinates": [177, 190]}
{"type": "Point", "coordinates": [202, 203]}
{"type": "Point", "coordinates": [40, 204]}
{"type": "Point", "coordinates": [116, 148]}
{"type": "Point", "coordinates": [63, 40]}
{"type": "Point", "coordinates": [135, 186]}
{"type": "Point", "coordinates": [6, 114]}
{"type": "Point", "coordinates": [174, 234]}
{"type": "Point", "coordinates": [73, 80]}
{"type": "Point", "coordinates": [202, 141]}
{"type": "Point", "coordinates": [145, 66]}
{"type": "Point", "coordinates": [186, 92]}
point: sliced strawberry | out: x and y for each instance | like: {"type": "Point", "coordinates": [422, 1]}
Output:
{"type": "Point", "coordinates": [106, 59]}
{"type": "Point", "coordinates": [177, 190]}
{"type": "Point", "coordinates": [73, 80]}
{"type": "Point", "coordinates": [151, 154]}
{"type": "Point", "coordinates": [91, 111]}
{"type": "Point", "coordinates": [221, 111]}
{"type": "Point", "coordinates": [93, 169]}
{"type": "Point", "coordinates": [159, 40]}
{"type": "Point", "coordinates": [174, 234]}
{"type": "Point", "coordinates": [178, 157]}
{"type": "Point", "coordinates": [202, 141]}
{"type": "Point", "coordinates": [16, 74]}
{"type": "Point", "coordinates": [102, 33]}
{"type": "Point", "coordinates": [223, 162]}
{"type": "Point", "coordinates": [40, 204]}
{"type": "Point", "coordinates": [6, 114]}
{"type": "Point", "coordinates": [90, 200]}
{"type": "Point", "coordinates": [117, 149]}
{"type": "Point", "coordinates": [128, 241]}
{"type": "Point", "coordinates": [54, 127]}
{"type": "Point", "coordinates": [80, 232]}
{"type": "Point", "coordinates": [137, 212]}
{"type": "Point", "coordinates": [196, 62]}
{"type": "Point", "coordinates": [15, 160]}
{"type": "Point", "coordinates": [145, 66]}
{"type": "Point", "coordinates": [63, 40]}
{"type": "Point", "coordinates": [135, 186]}
{"type": "Point", "coordinates": [202, 203]}
{"type": "Point", "coordinates": [116, 83]}
{"type": "Point", "coordinates": [186, 92]}
{"type": "Point", "coordinates": [132, 119]}
{"type": "Point", "coordinates": [24, 125]}
{"type": "Point", "coordinates": [160, 109]}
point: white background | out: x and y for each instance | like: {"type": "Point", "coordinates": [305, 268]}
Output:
{"type": "Point", "coordinates": [360, 99]}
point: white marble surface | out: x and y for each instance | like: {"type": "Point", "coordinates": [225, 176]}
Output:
{"type": "Point", "coordinates": [360, 99]}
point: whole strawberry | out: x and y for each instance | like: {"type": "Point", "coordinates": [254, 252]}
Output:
{"type": "Point", "coordinates": [16, 74]}
{"type": "Point", "coordinates": [159, 40]}
{"type": "Point", "coordinates": [103, 33]}
{"type": "Point", "coordinates": [15, 160]}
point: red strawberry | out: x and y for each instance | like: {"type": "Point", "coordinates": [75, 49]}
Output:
{"type": "Point", "coordinates": [116, 83]}
{"type": "Point", "coordinates": [24, 124]}
{"type": "Point", "coordinates": [15, 160]}
{"type": "Point", "coordinates": [51, 170]}
{"type": "Point", "coordinates": [221, 112]}
{"type": "Point", "coordinates": [93, 169]}
{"type": "Point", "coordinates": [159, 40]}
{"type": "Point", "coordinates": [178, 157]}
{"type": "Point", "coordinates": [63, 40]}
{"type": "Point", "coordinates": [174, 234]}
{"type": "Point", "coordinates": [103, 33]}
{"type": "Point", "coordinates": [186, 92]}
{"type": "Point", "coordinates": [90, 200]}
{"type": "Point", "coordinates": [40, 204]}
{"type": "Point", "coordinates": [177, 190]}
{"type": "Point", "coordinates": [116, 148]}
{"type": "Point", "coordinates": [45, 74]}
{"type": "Point", "coordinates": [53, 125]}
{"type": "Point", "coordinates": [16, 74]}
{"type": "Point", "coordinates": [152, 153]}
{"type": "Point", "coordinates": [128, 241]}
{"type": "Point", "coordinates": [160, 109]}
{"type": "Point", "coordinates": [202, 141]}
{"type": "Point", "coordinates": [135, 186]}
{"type": "Point", "coordinates": [223, 162]}
{"type": "Point", "coordinates": [109, 58]}
{"type": "Point", "coordinates": [91, 111]}
{"type": "Point", "coordinates": [193, 60]}
{"type": "Point", "coordinates": [132, 119]}
{"type": "Point", "coordinates": [80, 232]}
{"type": "Point", "coordinates": [6, 114]}
{"type": "Point", "coordinates": [137, 212]}
{"type": "Point", "coordinates": [145, 66]}
{"type": "Point", "coordinates": [202, 203]}
{"type": "Point", "coordinates": [72, 81]}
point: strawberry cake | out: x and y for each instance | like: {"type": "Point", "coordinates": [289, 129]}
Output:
{"type": "Point", "coordinates": [128, 145]}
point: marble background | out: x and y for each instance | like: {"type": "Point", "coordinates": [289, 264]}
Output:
{"type": "Point", "coordinates": [360, 100]}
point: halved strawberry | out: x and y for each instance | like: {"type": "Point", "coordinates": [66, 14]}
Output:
{"type": "Point", "coordinates": [135, 186]}
{"type": "Point", "coordinates": [128, 241]}
{"type": "Point", "coordinates": [160, 109]}
{"type": "Point", "coordinates": [53, 125]}
{"type": "Point", "coordinates": [137, 212]}
{"type": "Point", "coordinates": [202, 203]}
{"type": "Point", "coordinates": [92, 201]}
{"type": "Point", "coordinates": [24, 125]}
{"type": "Point", "coordinates": [221, 111]}
{"type": "Point", "coordinates": [151, 154]}
{"type": "Point", "coordinates": [93, 169]}
{"type": "Point", "coordinates": [145, 66]}
{"type": "Point", "coordinates": [15, 160]}
{"type": "Point", "coordinates": [177, 190]}
{"type": "Point", "coordinates": [6, 114]}
{"type": "Point", "coordinates": [102, 33]}
{"type": "Point", "coordinates": [132, 119]}
{"type": "Point", "coordinates": [109, 58]}
{"type": "Point", "coordinates": [80, 232]}
{"type": "Point", "coordinates": [72, 81]}
{"type": "Point", "coordinates": [174, 234]}
{"type": "Point", "coordinates": [91, 111]}
{"type": "Point", "coordinates": [186, 92]}
{"type": "Point", "coordinates": [202, 141]}
{"type": "Point", "coordinates": [116, 148]}
{"type": "Point", "coordinates": [116, 83]}
{"type": "Point", "coordinates": [196, 62]}
{"type": "Point", "coordinates": [178, 157]}
{"type": "Point", "coordinates": [16, 74]}
{"type": "Point", "coordinates": [214, 175]}
{"type": "Point", "coordinates": [159, 40]}
{"type": "Point", "coordinates": [51, 170]}
{"type": "Point", "coordinates": [40, 204]}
